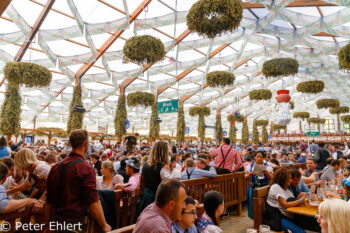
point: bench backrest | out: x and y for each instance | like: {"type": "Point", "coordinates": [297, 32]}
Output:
{"type": "Point", "coordinates": [259, 199]}
{"type": "Point", "coordinates": [297, 166]}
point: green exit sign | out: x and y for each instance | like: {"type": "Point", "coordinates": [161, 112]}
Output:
{"type": "Point", "coordinates": [313, 134]}
{"type": "Point", "coordinates": [168, 106]}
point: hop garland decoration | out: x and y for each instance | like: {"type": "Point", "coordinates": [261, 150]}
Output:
{"type": "Point", "coordinates": [59, 135]}
{"type": "Point", "coordinates": [304, 115]}
{"type": "Point", "coordinates": [225, 15]}
{"type": "Point", "coordinates": [120, 117]}
{"type": "Point", "coordinates": [275, 127]}
{"type": "Point", "coordinates": [220, 78]}
{"type": "Point", "coordinates": [201, 112]}
{"type": "Point", "coordinates": [75, 120]}
{"type": "Point", "coordinates": [245, 131]}
{"type": "Point", "coordinates": [280, 67]}
{"type": "Point", "coordinates": [140, 98]}
{"type": "Point", "coordinates": [154, 127]}
{"type": "Point", "coordinates": [339, 110]}
{"type": "Point", "coordinates": [346, 118]}
{"type": "Point", "coordinates": [180, 130]}
{"type": "Point", "coordinates": [316, 120]}
{"type": "Point", "coordinates": [232, 133]}
{"type": "Point", "coordinates": [219, 129]}
{"type": "Point", "coordinates": [311, 87]}
{"type": "Point", "coordinates": [264, 135]}
{"type": "Point", "coordinates": [11, 111]}
{"type": "Point", "coordinates": [144, 49]}
{"type": "Point", "coordinates": [260, 94]}
{"type": "Point", "coordinates": [344, 57]}
{"type": "Point", "coordinates": [233, 118]}
{"type": "Point", "coordinates": [261, 122]}
{"type": "Point", "coordinates": [291, 104]}
{"type": "Point", "coordinates": [255, 137]}
{"type": "Point", "coordinates": [327, 103]}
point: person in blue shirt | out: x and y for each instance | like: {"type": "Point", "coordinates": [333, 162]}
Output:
{"type": "Point", "coordinates": [191, 172]}
{"type": "Point", "coordinates": [302, 158]}
{"type": "Point", "coordinates": [185, 222]}
{"type": "Point", "coordinates": [297, 186]}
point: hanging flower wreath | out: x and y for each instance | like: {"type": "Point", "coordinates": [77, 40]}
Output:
{"type": "Point", "coordinates": [280, 67]}
{"type": "Point", "coordinates": [144, 49]}
{"type": "Point", "coordinates": [214, 17]}
{"type": "Point", "coordinates": [220, 78]}
{"type": "Point", "coordinates": [344, 57]}
{"type": "Point", "coordinates": [327, 103]}
{"type": "Point", "coordinates": [140, 98]}
{"type": "Point", "coordinates": [260, 94]}
{"type": "Point", "coordinates": [304, 115]}
{"type": "Point", "coordinates": [311, 87]}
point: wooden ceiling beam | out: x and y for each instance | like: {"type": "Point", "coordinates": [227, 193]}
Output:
{"type": "Point", "coordinates": [3, 5]}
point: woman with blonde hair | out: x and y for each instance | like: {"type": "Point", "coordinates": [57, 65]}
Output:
{"type": "Point", "coordinates": [37, 174]}
{"type": "Point", "coordinates": [153, 172]}
{"type": "Point", "coordinates": [334, 216]}
{"type": "Point", "coordinates": [108, 180]}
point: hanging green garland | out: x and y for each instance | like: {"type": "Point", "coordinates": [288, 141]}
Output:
{"type": "Point", "coordinates": [311, 87]}
{"type": "Point", "coordinates": [180, 130]}
{"type": "Point", "coordinates": [265, 135]}
{"type": "Point", "coordinates": [59, 135]}
{"type": "Point", "coordinates": [219, 129]}
{"type": "Point", "coordinates": [291, 104]}
{"type": "Point", "coordinates": [255, 137]}
{"type": "Point", "coordinates": [201, 112]}
{"type": "Point", "coordinates": [11, 111]}
{"type": "Point", "coordinates": [144, 49]}
{"type": "Point", "coordinates": [261, 122]}
{"type": "Point", "coordinates": [280, 67]}
{"type": "Point", "coordinates": [327, 103]}
{"type": "Point", "coordinates": [245, 131]}
{"type": "Point", "coordinates": [304, 115]}
{"type": "Point", "coordinates": [120, 117]}
{"type": "Point", "coordinates": [300, 128]}
{"type": "Point", "coordinates": [214, 17]}
{"type": "Point", "coordinates": [275, 127]}
{"type": "Point", "coordinates": [344, 57]}
{"type": "Point", "coordinates": [75, 120]}
{"type": "Point", "coordinates": [232, 133]}
{"type": "Point", "coordinates": [233, 118]}
{"type": "Point", "coordinates": [154, 127]}
{"type": "Point", "coordinates": [220, 78]}
{"type": "Point", "coordinates": [339, 110]}
{"type": "Point", "coordinates": [315, 120]}
{"type": "Point", "coordinates": [260, 94]}
{"type": "Point", "coordinates": [140, 98]}
{"type": "Point", "coordinates": [345, 118]}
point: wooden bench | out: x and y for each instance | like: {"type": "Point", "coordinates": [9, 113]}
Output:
{"type": "Point", "coordinates": [259, 199]}
{"type": "Point", "coordinates": [129, 229]}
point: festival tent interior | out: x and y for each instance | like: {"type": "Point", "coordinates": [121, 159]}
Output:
{"type": "Point", "coordinates": [83, 45]}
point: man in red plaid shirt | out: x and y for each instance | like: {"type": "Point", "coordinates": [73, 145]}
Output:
{"type": "Point", "coordinates": [71, 189]}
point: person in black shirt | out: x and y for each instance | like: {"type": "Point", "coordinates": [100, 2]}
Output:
{"type": "Point", "coordinates": [96, 163]}
{"type": "Point", "coordinates": [122, 170]}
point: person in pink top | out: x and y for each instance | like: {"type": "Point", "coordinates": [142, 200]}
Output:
{"type": "Point", "coordinates": [227, 157]}
{"type": "Point", "coordinates": [132, 170]}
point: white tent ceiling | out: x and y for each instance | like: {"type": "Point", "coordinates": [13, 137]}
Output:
{"type": "Point", "coordinates": [73, 37]}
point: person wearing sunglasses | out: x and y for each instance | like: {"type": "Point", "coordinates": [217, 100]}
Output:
{"type": "Point", "coordinates": [185, 223]}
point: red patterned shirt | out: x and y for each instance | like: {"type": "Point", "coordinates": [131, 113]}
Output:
{"type": "Point", "coordinates": [78, 189]}
{"type": "Point", "coordinates": [232, 157]}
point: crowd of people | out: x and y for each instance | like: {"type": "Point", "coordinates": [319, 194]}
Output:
{"type": "Point", "coordinates": [65, 180]}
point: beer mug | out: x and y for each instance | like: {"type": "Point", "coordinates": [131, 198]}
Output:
{"type": "Point", "coordinates": [312, 201]}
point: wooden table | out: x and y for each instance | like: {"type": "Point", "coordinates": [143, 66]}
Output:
{"type": "Point", "coordinates": [303, 210]}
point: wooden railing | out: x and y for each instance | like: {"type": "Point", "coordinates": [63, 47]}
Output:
{"type": "Point", "coordinates": [297, 166]}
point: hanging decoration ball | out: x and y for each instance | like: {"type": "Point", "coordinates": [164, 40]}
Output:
{"type": "Point", "coordinates": [30, 74]}
{"type": "Point", "coordinates": [303, 115]}
{"type": "Point", "coordinates": [261, 122]}
{"type": "Point", "coordinates": [344, 57]}
{"type": "Point", "coordinates": [339, 110]}
{"type": "Point", "coordinates": [311, 87]}
{"type": "Point", "coordinates": [220, 78]}
{"type": "Point", "coordinates": [327, 103]}
{"type": "Point", "coordinates": [260, 94]}
{"type": "Point", "coordinates": [144, 49]}
{"type": "Point", "coordinates": [140, 98]}
{"type": "Point", "coordinates": [233, 118]}
{"type": "Point", "coordinates": [194, 111]}
{"type": "Point", "coordinates": [345, 118]}
{"type": "Point", "coordinates": [214, 17]}
{"type": "Point", "coordinates": [280, 67]}
{"type": "Point", "coordinates": [316, 120]}
{"type": "Point", "coordinates": [283, 96]}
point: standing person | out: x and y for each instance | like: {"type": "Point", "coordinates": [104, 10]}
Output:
{"type": "Point", "coordinates": [71, 188]}
{"type": "Point", "coordinates": [214, 206]}
{"type": "Point", "coordinates": [336, 152]}
{"type": "Point", "coordinates": [226, 157]}
{"type": "Point", "coordinates": [96, 163]}
{"type": "Point", "coordinates": [153, 172]}
{"type": "Point", "coordinates": [321, 155]}
{"type": "Point", "coordinates": [303, 146]}
{"type": "Point", "coordinates": [169, 203]}
{"type": "Point", "coordinates": [257, 181]}
{"type": "Point", "coordinates": [313, 147]}
{"type": "Point", "coordinates": [14, 146]}
{"type": "Point", "coordinates": [5, 151]}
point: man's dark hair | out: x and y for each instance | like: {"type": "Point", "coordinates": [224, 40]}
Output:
{"type": "Point", "coordinates": [312, 159]}
{"type": "Point", "coordinates": [190, 200]}
{"type": "Point", "coordinates": [295, 173]}
{"type": "Point", "coordinates": [3, 171]}
{"type": "Point", "coordinates": [321, 144]}
{"type": "Point", "coordinates": [95, 155]}
{"type": "Point", "coordinates": [8, 162]}
{"type": "Point", "coordinates": [335, 162]}
{"type": "Point", "coordinates": [123, 162]}
{"type": "Point", "coordinates": [329, 160]}
{"type": "Point", "coordinates": [187, 155]}
{"type": "Point", "coordinates": [167, 191]}
{"type": "Point", "coordinates": [226, 141]}
{"type": "Point", "coordinates": [78, 137]}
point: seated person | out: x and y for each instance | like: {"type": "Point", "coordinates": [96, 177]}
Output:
{"type": "Point", "coordinates": [214, 206]}
{"type": "Point", "coordinates": [277, 201]}
{"type": "Point", "coordinates": [132, 170]}
{"type": "Point", "coordinates": [108, 180]}
{"type": "Point", "coordinates": [185, 223]}
{"type": "Point", "coordinates": [285, 160]}
{"type": "Point", "coordinates": [309, 175]}
{"type": "Point", "coordinates": [96, 163]}
{"type": "Point", "coordinates": [202, 164]}
{"type": "Point", "coordinates": [331, 172]}
{"type": "Point", "coordinates": [175, 168]}
{"type": "Point", "coordinates": [344, 191]}
{"type": "Point", "coordinates": [7, 205]}
{"type": "Point", "coordinates": [297, 186]}
{"type": "Point", "coordinates": [334, 216]}
{"type": "Point", "coordinates": [192, 173]}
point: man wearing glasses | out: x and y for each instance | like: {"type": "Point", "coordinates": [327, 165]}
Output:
{"type": "Point", "coordinates": [185, 223]}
